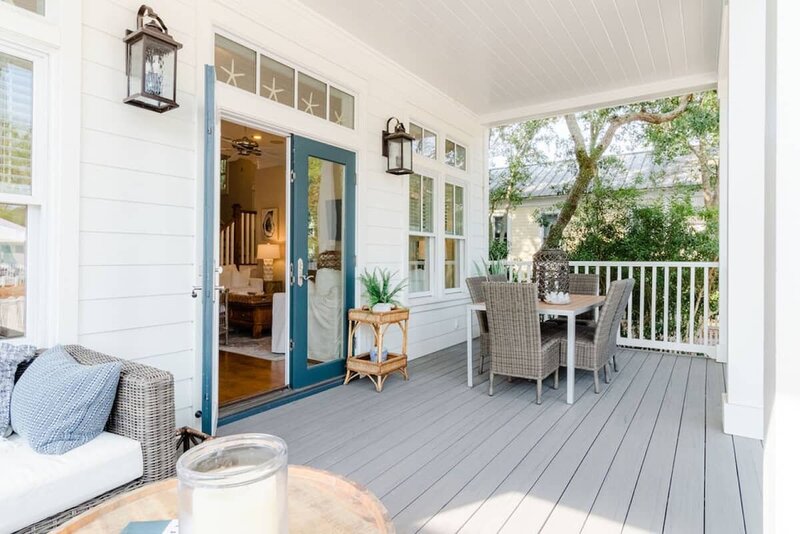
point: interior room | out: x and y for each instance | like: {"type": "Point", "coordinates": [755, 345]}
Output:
{"type": "Point", "coordinates": [252, 345]}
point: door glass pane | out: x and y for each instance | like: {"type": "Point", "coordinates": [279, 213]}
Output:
{"type": "Point", "coordinates": [13, 237]}
{"type": "Point", "coordinates": [16, 124]}
{"type": "Point", "coordinates": [326, 181]}
{"type": "Point", "coordinates": [235, 64]}
{"type": "Point", "coordinates": [277, 81]}
{"type": "Point", "coordinates": [311, 95]}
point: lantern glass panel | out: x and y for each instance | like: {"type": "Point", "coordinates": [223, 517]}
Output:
{"type": "Point", "coordinates": [406, 153]}
{"type": "Point", "coordinates": [159, 69]}
{"type": "Point", "coordinates": [395, 154]}
{"type": "Point", "coordinates": [135, 55]}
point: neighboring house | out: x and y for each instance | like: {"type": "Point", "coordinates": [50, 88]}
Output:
{"type": "Point", "coordinates": [526, 227]}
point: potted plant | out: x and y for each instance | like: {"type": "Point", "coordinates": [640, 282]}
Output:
{"type": "Point", "coordinates": [378, 287]}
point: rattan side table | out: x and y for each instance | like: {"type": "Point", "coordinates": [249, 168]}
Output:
{"type": "Point", "coordinates": [379, 322]}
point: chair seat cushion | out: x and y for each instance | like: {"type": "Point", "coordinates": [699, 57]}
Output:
{"type": "Point", "coordinates": [45, 485]}
{"type": "Point", "coordinates": [59, 404]}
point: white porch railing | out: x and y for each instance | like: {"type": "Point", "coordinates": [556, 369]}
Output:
{"type": "Point", "coordinates": [674, 305]}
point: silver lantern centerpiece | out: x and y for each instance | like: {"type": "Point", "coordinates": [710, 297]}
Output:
{"type": "Point", "coordinates": [551, 268]}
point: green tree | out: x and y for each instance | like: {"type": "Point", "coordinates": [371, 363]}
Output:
{"type": "Point", "coordinates": [516, 143]}
{"type": "Point", "coordinates": [696, 133]}
{"type": "Point", "coordinates": [592, 133]}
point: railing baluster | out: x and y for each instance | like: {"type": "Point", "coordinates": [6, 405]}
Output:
{"type": "Point", "coordinates": [666, 303]}
{"type": "Point", "coordinates": [641, 302]}
{"type": "Point", "coordinates": [691, 304]}
{"type": "Point", "coordinates": [706, 313]}
{"type": "Point", "coordinates": [629, 332]}
{"type": "Point", "coordinates": [653, 307]}
{"type": "Point", "coordinates": [678, 306]}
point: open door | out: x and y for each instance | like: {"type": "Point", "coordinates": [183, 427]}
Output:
{"type": "Point", "coordinates": [322, 270]}
{"type": "Point", "coordinates": [208, 287]}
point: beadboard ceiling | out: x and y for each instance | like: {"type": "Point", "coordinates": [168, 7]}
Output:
{"type": "Point", "coordinates": [495, 56]}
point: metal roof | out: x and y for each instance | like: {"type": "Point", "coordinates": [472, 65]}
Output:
{"type": "Point", "coordinates": [635, 169]}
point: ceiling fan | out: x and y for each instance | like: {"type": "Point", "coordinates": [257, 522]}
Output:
{"type": "Point", "coordinates": [244, 146]}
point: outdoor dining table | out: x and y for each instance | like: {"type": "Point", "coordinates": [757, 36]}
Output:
{"type": "Point", "coordinates": [578, 304]}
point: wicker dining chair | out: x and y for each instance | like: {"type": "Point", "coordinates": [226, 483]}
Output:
{"type": "Point", "coordinates": [621, 307]}
{"type": "Point", "coordinates": [593, 342]}
{"type": "Point", "coordinates": [518, 346]}
{"type": "Point", "coordinates": [475, 286]}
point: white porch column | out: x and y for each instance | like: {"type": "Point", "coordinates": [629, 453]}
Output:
{"type": "Point", "coordinates": [782, 293]}
{"type": "Point", "coordinates": [742, 204]}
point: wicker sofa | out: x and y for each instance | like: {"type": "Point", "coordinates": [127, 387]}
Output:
{"type": "Point", "coordinates": [144, 410]}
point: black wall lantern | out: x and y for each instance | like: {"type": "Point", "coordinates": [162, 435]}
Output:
{"type": "Point", "coordinates": [397, 149]}
{"type": "Point", "coordinates": [151, 64]}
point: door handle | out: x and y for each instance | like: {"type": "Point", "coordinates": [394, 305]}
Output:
{"type": "Point", "coordinates": [300, 277]}
{"type": "Point", "coordinates": [195, 289]}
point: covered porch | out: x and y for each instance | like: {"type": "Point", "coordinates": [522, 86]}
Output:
{"type": "Point", "coordinates": [647, 454]}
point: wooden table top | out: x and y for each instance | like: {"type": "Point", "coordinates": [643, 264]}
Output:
{"type": "Point", "coordinates": [578, 304]}
{"type": "Point", "coordinates": [319, 502]}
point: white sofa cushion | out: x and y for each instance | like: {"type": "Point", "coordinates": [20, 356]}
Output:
{"type": "Point", "coordinates": [38, 486]}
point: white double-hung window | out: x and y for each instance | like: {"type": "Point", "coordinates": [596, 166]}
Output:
{"type": "Point", "coordinates": [421, 237]}
{"type": "Point", "coordinates": [20, 192]}
{"type": "Point", "coordinates": [453, 236]}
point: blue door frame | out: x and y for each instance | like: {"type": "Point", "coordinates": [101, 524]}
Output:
{"type": "Point", "coordinates": [208, 262]}
{"type": "Point", "coordinates": [301, 375]}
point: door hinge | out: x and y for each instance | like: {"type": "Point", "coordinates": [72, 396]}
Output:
{"type": "Point", "coordinates": [291, 176]}
{"type": "Point", "coordinates": [291, 345]}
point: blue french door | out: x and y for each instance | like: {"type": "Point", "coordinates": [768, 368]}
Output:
{"type": "Point", "coordinates": [322, 283]}
{"type": "Point", "coordinates": [210, 229]}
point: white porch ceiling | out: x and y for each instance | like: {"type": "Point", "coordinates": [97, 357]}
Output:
{"type": "Point", "coordinates": [510, 58]}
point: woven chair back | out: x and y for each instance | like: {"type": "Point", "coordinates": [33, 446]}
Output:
{"type": "Point", "coordinates": [513, 320]}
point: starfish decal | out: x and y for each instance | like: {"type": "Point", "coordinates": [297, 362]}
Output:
{"type": "Point", "coordinates": [232, 74]}
{"type": "Point", "coordinates": [309, 104]}
{"type": "Point", "coordinates": [272, 90]}
{"type": "Point", "coordinates": [337, 118]}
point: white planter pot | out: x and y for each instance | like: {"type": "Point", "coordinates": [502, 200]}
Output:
{"type": "Point", "coordinates": [382, 307]}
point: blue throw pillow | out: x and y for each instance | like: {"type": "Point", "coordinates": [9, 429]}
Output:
{"type": "Point", "coordinates": [10, 357]}
{"type": "Point", "coordinates": [59, 404]}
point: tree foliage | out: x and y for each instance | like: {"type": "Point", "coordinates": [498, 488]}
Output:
{"type": "Point", "coordinates": [517, 144]}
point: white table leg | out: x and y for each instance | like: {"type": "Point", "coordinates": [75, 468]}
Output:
{"type": "Point", "coordinates": [570, 359]}
{"type": "Point", "coordinates": [469, 347]}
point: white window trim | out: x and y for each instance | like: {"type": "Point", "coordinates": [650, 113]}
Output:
{"type": "Point", "coordinates": [466, 154]}
{"type": "Point", "coordinates": [433, 235]}
{"type": "Point", "coordinates": [53, 43]}
{"type": "Point", "coordinates": [461, 289]}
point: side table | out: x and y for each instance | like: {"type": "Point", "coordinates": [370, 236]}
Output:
{"type": "Point", "coordinates": [379, 322]}
{"type": "Point", "coordinates": [319, 501]}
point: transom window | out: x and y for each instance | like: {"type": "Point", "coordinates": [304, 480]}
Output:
{"type": "Point", "coordinates": [246, 69]}
{"type": "Point", "coordinates": [421, 233]}
{"type": "Point", "coordinates": [454, 235]}
{"type": "Point", "coordinates": [424, 142]}
{"type": "Point", "coordinates": [455, 155]}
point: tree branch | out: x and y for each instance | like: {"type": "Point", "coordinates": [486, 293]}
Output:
{"type": "Point", "coordinates": [642, 116]}
{"type": "Point", "coordinates": [575, 132]}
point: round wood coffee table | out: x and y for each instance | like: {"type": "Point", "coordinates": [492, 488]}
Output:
{"type": "Point", "coordinates": [319, 501]}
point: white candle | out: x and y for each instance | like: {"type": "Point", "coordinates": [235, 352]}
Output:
{"type": "Point", "coordinates": [249, 508]}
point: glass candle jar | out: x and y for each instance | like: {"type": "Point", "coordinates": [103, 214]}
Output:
{"type": "Point", "coordinates": [234, 484]}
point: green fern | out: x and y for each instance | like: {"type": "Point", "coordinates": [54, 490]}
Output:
{"type": "Point", "coordinates": [377, 286]}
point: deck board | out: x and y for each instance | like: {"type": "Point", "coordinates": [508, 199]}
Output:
{"type": "Point", "coordinates": [645, 455]}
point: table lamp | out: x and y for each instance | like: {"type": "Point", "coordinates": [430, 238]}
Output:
{"type": "Point", "coordinates": [268, 252]}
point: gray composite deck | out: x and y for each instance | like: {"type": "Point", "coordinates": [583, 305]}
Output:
{"type": "Point", "coordinates": [645, 455]}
